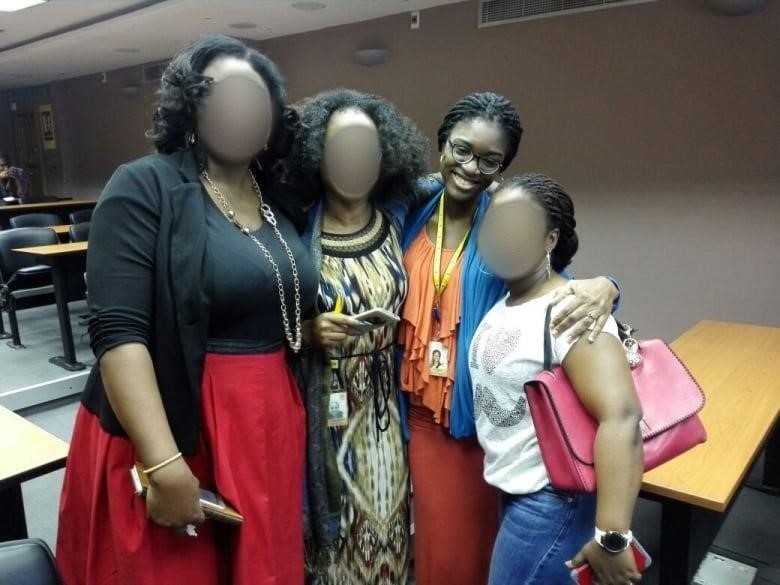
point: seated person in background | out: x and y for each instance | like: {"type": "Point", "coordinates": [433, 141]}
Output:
{"type": "Point", "coordinates": [13, 180]}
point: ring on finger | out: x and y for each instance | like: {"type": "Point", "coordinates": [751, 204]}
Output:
{"type": "Point", "coordinates": [591, 316]}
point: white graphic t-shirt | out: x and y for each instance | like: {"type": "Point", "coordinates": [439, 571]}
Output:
{"type": "Point", "coordinates": [507, 351]}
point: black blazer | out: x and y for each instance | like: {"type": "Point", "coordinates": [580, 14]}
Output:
{"type": "Point", "coordinates": [145, 268]}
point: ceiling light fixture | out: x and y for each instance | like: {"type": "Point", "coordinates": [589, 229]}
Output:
{"type": "Point", "coordinates": [127, 50]}
{"type": "Point", "coordinates": [243, 25]}
{"type": "Point", "coordinates": [14, 5]}
{"type": "Point", "coordinates": [308, 5]}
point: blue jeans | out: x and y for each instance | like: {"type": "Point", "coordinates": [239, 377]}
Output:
{"type": "Point", "coordinates": [539, 532]}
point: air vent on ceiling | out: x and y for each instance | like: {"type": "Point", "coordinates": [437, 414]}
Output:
{"type": "Point", "coordinates": [29, 94]}
{"type": "Point", "coordinates": [153, 73]}
{"type": "Point", "coordinates": [495, 12]}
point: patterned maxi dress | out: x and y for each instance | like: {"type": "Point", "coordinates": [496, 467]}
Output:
{"type": "Point", "coordinates": [366, 270]}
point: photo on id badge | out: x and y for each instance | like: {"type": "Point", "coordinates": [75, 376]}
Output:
{"type": "Point", "coordinates": [437, 359]}
{"type": "Point", "coordinates": [338, 410]}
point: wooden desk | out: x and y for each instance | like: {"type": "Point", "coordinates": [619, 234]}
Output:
{"type": "Point", "coordinates": [60, 230]}
{"type": "Point", "coordinates": [55, 250]}
{"type": "Point", "coordinates": [62, 208]}
{"type": "Point", "coordinates": [28, 451]}
{"type": "Point", "coordinates": [738, 367]}
{"type": "Point", "coordinates": [64, 259]}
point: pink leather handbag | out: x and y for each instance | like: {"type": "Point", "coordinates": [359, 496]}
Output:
{"type": "Point", "coordinates": [669, 396]}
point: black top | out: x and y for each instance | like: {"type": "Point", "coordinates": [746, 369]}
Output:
{"type": "Point", "coordinates": [152, 279]}
{"type": "Point", "coordinates": [245, 305]}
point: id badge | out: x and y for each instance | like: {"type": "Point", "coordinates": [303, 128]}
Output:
{"type": "Point", "coordinates": [438, 359]}
{"type": "Point", "coordinates": [338, 410]}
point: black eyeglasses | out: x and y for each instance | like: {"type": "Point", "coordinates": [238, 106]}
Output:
{"type": "Point", "coordinates": [463, 154]}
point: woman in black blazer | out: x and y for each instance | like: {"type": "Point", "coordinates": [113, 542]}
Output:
{"type": "Point", "coordinates": [198, 286]}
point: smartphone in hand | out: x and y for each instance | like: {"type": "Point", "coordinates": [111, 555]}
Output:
{"type": "Point", "coordinates": [583, 575]}
{"type": "Point", "coordinates": [214, 507]}
{"type": "Point", "coordinates": [375, 318]}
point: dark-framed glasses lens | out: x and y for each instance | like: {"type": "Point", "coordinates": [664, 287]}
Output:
{"type": "Point", "coordinates": [489, 166]}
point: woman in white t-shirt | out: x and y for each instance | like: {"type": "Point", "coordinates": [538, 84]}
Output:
{"type": "Point", "coordinates": [527, 238]}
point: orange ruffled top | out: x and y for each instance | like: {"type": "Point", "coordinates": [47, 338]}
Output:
{"type": "Point", "coordinates": [418, 327]}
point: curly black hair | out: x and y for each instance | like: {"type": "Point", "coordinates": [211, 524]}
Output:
{"type": "Point", "coordinates": [487, 106]}
{"type": "Point", "coordinates": [559, 209]}
{"type": "Point", "coordinates": [404, 148]}
{"type": "Point", "coordinates": [183, 86]}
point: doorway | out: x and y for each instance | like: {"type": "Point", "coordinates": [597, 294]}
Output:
{"type": "Point", "coordinates": [28, 153]}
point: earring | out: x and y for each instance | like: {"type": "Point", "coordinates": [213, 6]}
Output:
{"type": "Point", "coordinates": [189, 138]}
{"type": "Point", "coordinates": [549, 265]}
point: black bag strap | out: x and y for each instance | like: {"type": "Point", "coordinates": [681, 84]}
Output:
{"type": "Point", "coordinates": [547, 340]}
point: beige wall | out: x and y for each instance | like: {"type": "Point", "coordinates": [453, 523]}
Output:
{"type": "Point", "coordinates": [99, 128]}
{"type": "Point", "coordinates": [660, 118]}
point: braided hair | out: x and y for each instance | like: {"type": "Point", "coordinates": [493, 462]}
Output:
{"type": "Point", "coordinates": [486, 106]}
{"type": "Point", "coordinates": [559, 209]}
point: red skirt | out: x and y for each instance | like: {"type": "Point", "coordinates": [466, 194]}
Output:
{"type": "Point", "coordinates": [455, 510]}
{"type": "Point", "coordinates": [251, 452]}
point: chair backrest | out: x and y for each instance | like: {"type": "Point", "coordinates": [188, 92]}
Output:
{"type": "Point", "coordinates": [80, 215]}
{"type": "Point", "coordinates": [11, 261]}
{"type": "Point", "coordinates": [35, 220]}
{"type": "Point", "coordinates": [79, 232]}
{"type": "Point", "coordinates": [27, 562]}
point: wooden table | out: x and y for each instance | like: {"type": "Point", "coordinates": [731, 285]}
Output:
{"type": "Point", "coordinates": [28, 451]}
{"type": "Point", "coordinates": [62, 208]}
{"type": "Point", "coordinates": [65, 260]}
{"type": "Point", "coordinates": [62, 231]}
{"type": "Point", "coordinates": [738, 367]}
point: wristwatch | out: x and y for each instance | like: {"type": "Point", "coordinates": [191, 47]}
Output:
{"type": "Point", "coordinates": [613, 542]}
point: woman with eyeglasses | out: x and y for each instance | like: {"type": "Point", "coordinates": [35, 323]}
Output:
{"type": "Point", "coordinates": [450, 291]}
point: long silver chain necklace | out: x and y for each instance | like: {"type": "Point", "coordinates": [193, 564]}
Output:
{"type": "Point", "coordinates": [294, 340]}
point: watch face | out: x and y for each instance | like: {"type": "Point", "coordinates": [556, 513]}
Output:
{"type": "Point", "coordinates": [614, 542]}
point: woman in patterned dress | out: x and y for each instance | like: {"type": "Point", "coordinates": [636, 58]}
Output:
{"type": "Point", "coordinates": [358, 159]}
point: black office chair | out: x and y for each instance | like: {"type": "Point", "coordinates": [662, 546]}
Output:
{"type": "Point", "coordinates": [80, 215]}
{"type": "Point", "coordinates": [27, 562]}
{"type": "Point", "coordinates": [35, 220]}
{"type": "Point", "coordinates": [23, 283]}
{"type": "Point", "coordinates": [79, 232]}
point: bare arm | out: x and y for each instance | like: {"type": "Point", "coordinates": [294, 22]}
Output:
{"type": "Point", "coordinates": [601, 376]}
{"type": "Point", "coordinates": [129, 380]}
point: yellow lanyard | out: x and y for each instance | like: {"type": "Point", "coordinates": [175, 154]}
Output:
{"type": "Point", "coordinates": [440, 281]}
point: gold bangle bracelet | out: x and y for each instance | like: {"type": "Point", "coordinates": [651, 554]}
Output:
{"type": "Point", "coordinates": [151, 470]}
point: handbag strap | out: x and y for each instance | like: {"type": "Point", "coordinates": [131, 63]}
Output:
{"type": "Point", "coordinates": [547, 340]}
